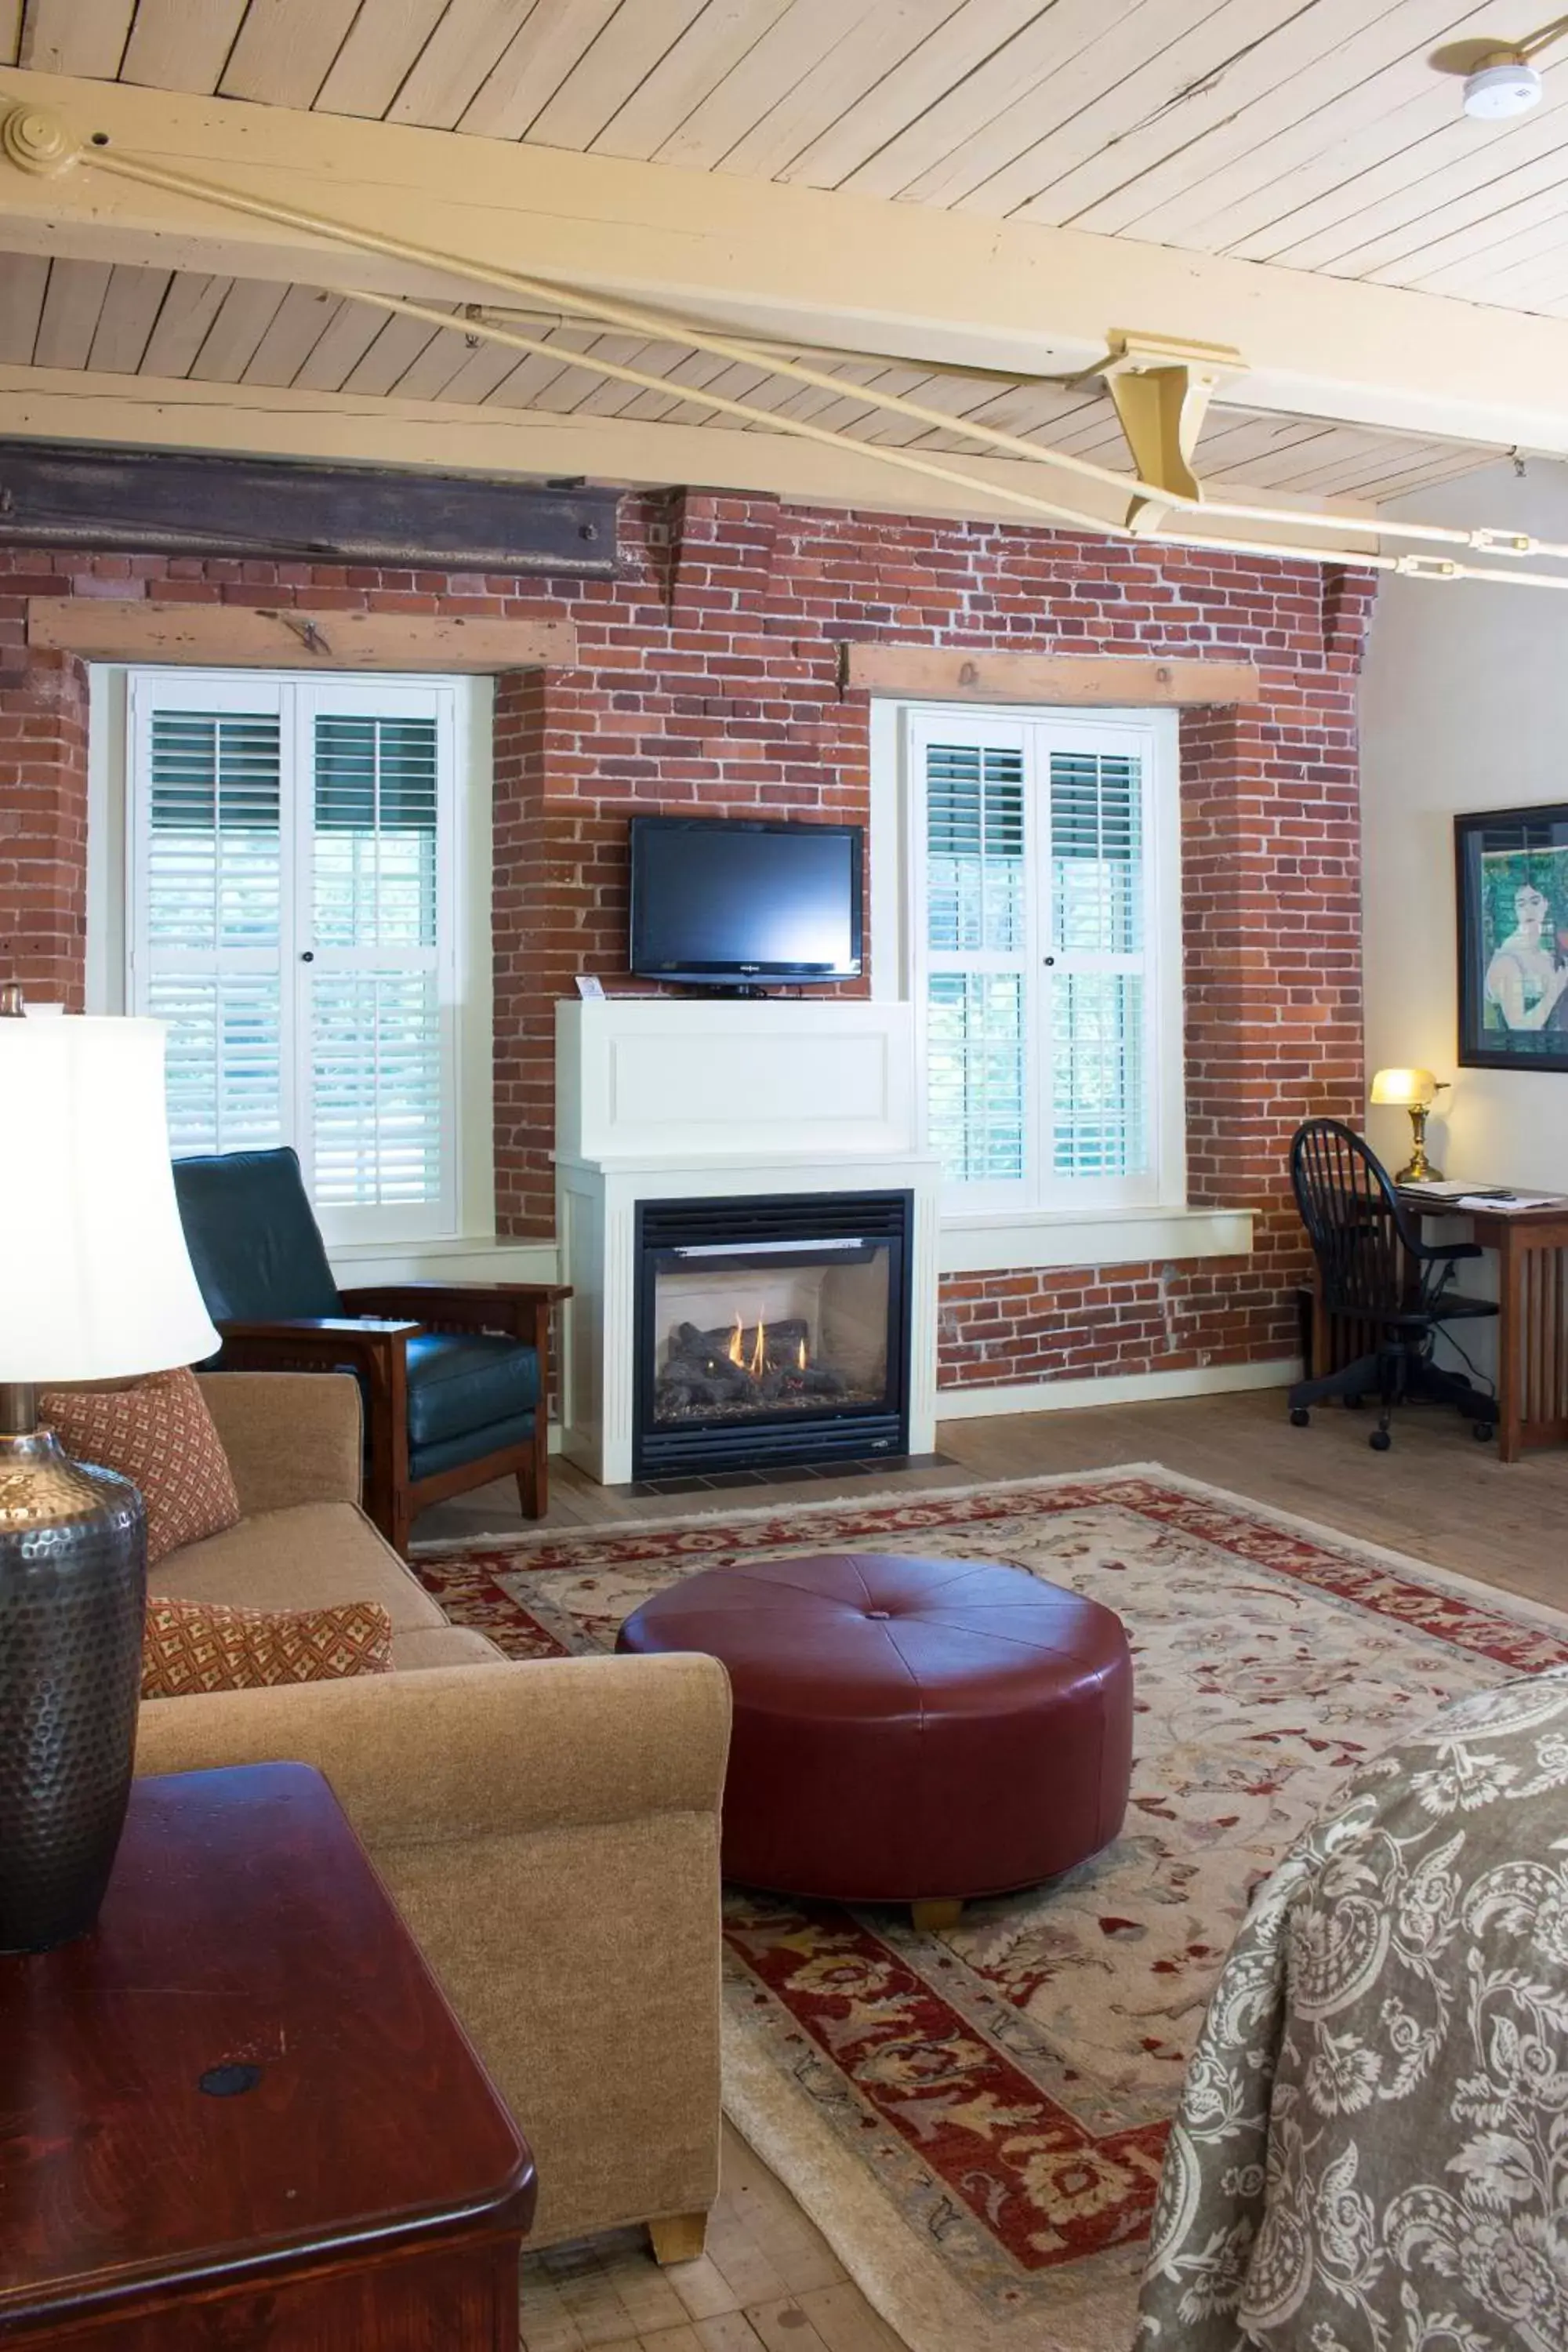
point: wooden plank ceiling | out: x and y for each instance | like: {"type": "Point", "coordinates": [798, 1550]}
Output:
{"type": "Point", "coordinates": [157, 323]}
{"type": "Point", "coordinates": [1318, 134]}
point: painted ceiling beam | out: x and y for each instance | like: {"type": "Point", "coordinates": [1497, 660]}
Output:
{"type": "Point", "coordinates": [264, 420]}
{"type": "Point", "coordinates": [798, 264]}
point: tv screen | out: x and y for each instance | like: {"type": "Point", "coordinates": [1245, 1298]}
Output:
{"type": "Point", "coordinates": [718, 901]}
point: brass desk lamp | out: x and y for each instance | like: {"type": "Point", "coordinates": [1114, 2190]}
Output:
{"type": "Point", "coordinates": [1416, 1090]}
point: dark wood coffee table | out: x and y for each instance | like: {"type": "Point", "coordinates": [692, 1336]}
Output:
{"type": "Point", "coordinates": [240, 2112]}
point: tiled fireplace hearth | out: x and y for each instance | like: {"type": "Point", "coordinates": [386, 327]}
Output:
{"type": "Point", "coordinates": [750, 1233]}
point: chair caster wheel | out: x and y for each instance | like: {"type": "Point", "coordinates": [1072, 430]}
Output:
{"type": "Point", "coordinates": [1482, 1432]}
{"type": "Point", "coordinates": [1380, 1441]}
{"type": "Point", "coordinates": [1299, 1417]}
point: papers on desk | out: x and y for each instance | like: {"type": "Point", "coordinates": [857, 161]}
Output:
{"type": "Point", "coordinates": [1505, 1203]}
{"type": "Point", "coordinates": [1449, 1195]}
{"type": "Point", "coordinates": [1454, 1194]}
{"type": "Point", "coordinates": [1442, 1189]}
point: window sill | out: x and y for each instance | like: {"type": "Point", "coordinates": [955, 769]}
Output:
{"type": "Point", "coordinates": [1052, 1237]}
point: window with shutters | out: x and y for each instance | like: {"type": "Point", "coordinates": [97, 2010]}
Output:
{"type": "Point", "coordinates": [1042, 923]}
{"type": "Point", "coordinates": [292, 917]}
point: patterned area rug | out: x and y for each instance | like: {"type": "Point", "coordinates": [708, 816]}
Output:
{"type": "Point", "coordinates": [976, 2120]}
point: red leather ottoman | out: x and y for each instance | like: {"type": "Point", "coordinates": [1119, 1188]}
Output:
{"type": "Point", "coordinates": [907, 1730]}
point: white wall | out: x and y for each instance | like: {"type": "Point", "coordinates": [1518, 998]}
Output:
{"type": "Point", "coordinates": [1464, 706]}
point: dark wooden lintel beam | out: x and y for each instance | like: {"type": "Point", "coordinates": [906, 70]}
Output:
{"type": "Point", "coordinates": [153, 501]}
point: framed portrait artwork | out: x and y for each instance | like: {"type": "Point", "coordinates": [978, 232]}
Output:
{"type": "Point", "coordinates": [1513, 938]}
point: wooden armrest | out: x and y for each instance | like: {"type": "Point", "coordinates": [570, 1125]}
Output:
{"type": "Point", "coordinates": [333, 1325]}
{"type": "Point", "coordinates": [517, 1308]}
{"type": "Point", "coordinates": [321, 1343]}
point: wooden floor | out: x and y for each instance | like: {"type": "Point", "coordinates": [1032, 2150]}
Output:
{"type": "Point", "coordinates": [768, 2282]}
{"type": "Point", "coordinates": [1438, 1495]}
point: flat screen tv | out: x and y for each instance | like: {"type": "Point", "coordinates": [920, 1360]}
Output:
{"type": "Point", "coordinates": [725, 903]}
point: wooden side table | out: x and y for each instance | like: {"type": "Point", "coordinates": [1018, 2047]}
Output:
{"type": "Point", "coordinates": [240, 2112]}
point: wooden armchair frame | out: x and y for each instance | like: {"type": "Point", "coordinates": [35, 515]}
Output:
{"type": "Point", "coordinates": [372, 1340]}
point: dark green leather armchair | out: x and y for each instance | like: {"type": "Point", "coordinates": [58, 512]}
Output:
{"type": "Point", "coordinates": [454, 1376]}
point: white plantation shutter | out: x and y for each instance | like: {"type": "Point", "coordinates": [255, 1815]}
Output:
{"type": "Point", "coordinates": [292, 920]}
{"type": "Point", "coordinates": [376, 1044]}
{"type": "Point", "coordinates": [1045, 955]}
{"type": "Point", "coordinates": [976, 958]}
{"type": "Point", "coordinates": [1099, 1106]}
{"type": "Point", "coordinates": [212, 861]}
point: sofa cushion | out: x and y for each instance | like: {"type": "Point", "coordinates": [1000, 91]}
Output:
{"type": "Point", "coordinates": [189, 1646]}
{"type": "Point", "coordinates": [459, 1382]}
{"type": "Point", "coordinates": [253, 1239]}
{"type": "Point", "coordinates": [310, 1555]}
{"type": "Point", "coordinates": [159, 1433]}
{"type": "Point", "coordinates": [445, 1645]}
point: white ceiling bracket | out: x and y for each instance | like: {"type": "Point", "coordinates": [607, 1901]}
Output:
{"type": "Point", "coordinates": [1162, 388]}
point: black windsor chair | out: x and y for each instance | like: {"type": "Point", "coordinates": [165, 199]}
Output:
{"type": "Point", "coordinates": [1384, 1292]}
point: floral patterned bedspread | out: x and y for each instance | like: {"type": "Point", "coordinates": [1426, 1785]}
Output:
{"type": "Point", "coordinates": [1372, 2149]}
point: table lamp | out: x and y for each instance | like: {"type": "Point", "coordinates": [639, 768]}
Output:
{"type": "Point", "coordinates": [95, 1283]}
{"type": "Point", "coordinates": [1416, 1089]}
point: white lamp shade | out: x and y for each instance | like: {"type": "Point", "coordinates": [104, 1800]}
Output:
{"type": "Point", "coordinates": [1406, 1086]}
{"type": "Point", "coordinates": [95, 1279]}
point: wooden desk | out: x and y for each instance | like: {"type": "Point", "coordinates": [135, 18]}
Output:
{"type": "Point", "coordinates": [1531, 1247]}
{"type": "Point", "coordinates": [240, 2112]}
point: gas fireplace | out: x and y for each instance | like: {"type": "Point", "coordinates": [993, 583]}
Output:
{"type": "Point", "coordinates": [771, 1331]}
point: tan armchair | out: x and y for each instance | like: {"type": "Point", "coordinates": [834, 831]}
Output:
{"type": "Point", "coordinates": [550, 1830]}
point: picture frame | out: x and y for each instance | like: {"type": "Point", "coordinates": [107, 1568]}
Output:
{"type": "Point", "coordinates": [1512, 878]}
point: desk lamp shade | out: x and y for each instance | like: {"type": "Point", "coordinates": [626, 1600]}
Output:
{"type": "Point", "coordinates": [1415, 1090]}
{"type": "Point", "coordinates": [1404, 1087]}
{"type": "Point", "coordinates": [95, 1284]}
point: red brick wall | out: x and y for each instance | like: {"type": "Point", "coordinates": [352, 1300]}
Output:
{"type": "Point", "coordinates": [707, 677]}
{"type": "Point", "coordinates": [43, 826]}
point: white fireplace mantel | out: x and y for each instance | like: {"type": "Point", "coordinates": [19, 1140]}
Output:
{"type": "Point", "coordinates": [662, 1077]}
{"type": "Point", "coordinates": [666, 1099]}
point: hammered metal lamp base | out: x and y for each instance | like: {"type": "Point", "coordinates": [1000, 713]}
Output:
{"type": "Point", "coordinates": [73, 1597]}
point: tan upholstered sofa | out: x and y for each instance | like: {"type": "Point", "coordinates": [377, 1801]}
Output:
{"type": "Point", "coordinates": [548, 1830]}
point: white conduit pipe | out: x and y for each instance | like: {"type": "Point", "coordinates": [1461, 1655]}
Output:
{"type": "Point", "coordinates": [621, 373]}
{"type": "Point", "coordinates": [606, 310]}
{"type": "Point", "coordinates": [100, 156]}
{"type": "Point", "coordinates": [606, 313]}
{"type": "Point", "coordinates": [1420, 567]}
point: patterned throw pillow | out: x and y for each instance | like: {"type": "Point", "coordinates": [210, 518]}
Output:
{"type": "Point", "coordinates": [199, 1645]}
{"type": "Point", "coordinates": [158, 1433]}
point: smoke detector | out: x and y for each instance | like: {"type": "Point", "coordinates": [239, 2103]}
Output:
{"type": "Point", "coordinates": [1502, 84]}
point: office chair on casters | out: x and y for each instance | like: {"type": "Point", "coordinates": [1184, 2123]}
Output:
{"type": "Point", "coordinates": [1383, 1290]}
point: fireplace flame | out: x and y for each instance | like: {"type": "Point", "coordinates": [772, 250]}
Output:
{"type": "Point", "coordinates": [754, 1359]}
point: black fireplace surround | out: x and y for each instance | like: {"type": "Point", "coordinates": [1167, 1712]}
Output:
{"type": "Point", "coordinates": [771, 1329]}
